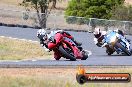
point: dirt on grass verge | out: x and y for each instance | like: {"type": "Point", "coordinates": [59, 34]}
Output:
{"type": "Point", "coordinates": [54, 77]}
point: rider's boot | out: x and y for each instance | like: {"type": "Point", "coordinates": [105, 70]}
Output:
{"type": "Point", "coordinates": [80, 48]}
{"type": "Point", "coordinates": [76, 42]}
{"type": "Point", "coordinates": [121, 32]}
{"type": "Point", "coordinates": [128, 40]}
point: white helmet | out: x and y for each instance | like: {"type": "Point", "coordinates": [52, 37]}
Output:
{"type": "Point", "coordinates": [41, 34]}
{"type": "Point", "coordinates": [97, 32]}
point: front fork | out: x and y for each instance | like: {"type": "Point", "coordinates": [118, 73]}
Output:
{"type": "Point", "coordinates": [76, 51]}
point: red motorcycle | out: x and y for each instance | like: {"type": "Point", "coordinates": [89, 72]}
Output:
{"type": "Point", "coordinates": [67, 48]}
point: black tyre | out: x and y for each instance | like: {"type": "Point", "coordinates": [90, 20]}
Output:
{"type": "Point", "coordinates": [123, 48]}
{"type": "Point", "coordinates": [0, 24]}
{"type": "Point", "coordinates": [131, 50]}
{"type": "Point", "coordinates": [66, 54]}
{"type": "Point", "coordinates": [85, 55]}
{"type": "Point", "coordinates": [109, 52]}
{"type": "Point", "coordinates": [81, 79]}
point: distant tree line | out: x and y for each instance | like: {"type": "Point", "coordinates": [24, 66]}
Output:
{"type": "Point", "coordinates": [104, 9]}
{"type": "Point", "coordinates": [122, 12]}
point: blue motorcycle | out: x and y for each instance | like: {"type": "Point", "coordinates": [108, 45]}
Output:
{"type": "Point", "coordinates": [118, 43]}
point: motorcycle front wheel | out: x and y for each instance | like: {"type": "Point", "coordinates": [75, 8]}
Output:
{"type": "Point", "coordinates": [66, 54]}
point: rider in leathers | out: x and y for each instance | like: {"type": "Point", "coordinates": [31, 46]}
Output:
{"type": "Point", "coordinates": [99, 38]}
{"type": "Point", "coordinates": [49, 40]}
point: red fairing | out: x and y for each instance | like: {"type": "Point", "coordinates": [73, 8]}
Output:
{"type": "Point", "coordinates": [68, 36]}
{"type": "Point", "coordinates": [58, 38]}
{"type": "Point", "coordinates": [76, 51]}
{"type": "Point", "coordinates": [57, 55]}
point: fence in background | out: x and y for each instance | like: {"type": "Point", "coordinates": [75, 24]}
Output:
{"type": "Point", "coordinates": [126, 26]}
{"type": "Point", "coordinates": [57, 20]}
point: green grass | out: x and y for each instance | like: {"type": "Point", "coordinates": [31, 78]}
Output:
{"type": "Point", "coordinates": [11, 49]}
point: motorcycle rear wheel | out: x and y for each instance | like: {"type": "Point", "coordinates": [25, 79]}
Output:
{"type": "Point", "coordinates": [124, 49]}
{"type": "Point", "coordinates": [66, 54]}
{"type": "Point", "coordinates": [85, 55]}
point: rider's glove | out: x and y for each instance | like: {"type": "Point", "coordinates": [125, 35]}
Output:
{"type": "Point", "coordinates": [104, 45]}
{"type": "Point", "coordinates": [42, 45]}
{"type": "Point", "coordinates": [47, 50]}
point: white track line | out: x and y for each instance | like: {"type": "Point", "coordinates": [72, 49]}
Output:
{"type": "Point", "coordinates": [89, 52]}
{"type": "Point", "coordinates": [33, 60]}
{"type": "Point", "coordinates": [20, 39]}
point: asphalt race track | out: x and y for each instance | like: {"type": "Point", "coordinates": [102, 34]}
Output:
{"type": "Point", "coordinates": [98, 57]}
